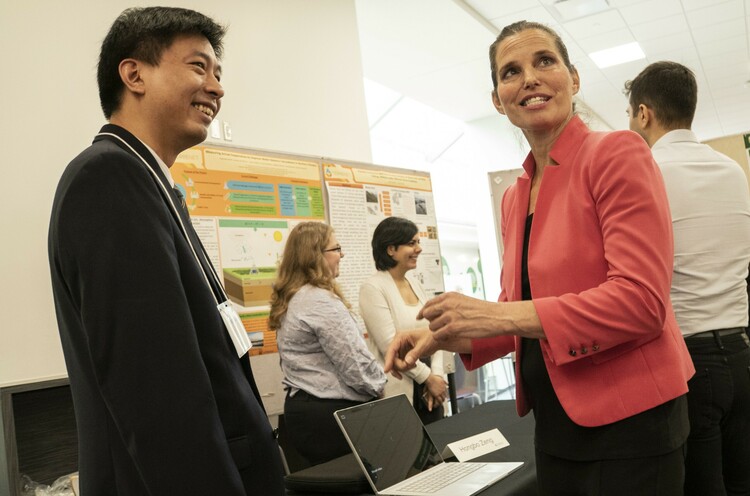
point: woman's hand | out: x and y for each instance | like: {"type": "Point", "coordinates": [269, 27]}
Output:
{"type": "Point", "coordinates": [435, 391]}
{"type": "Point", "coordinates": [454, 316]}
{"type": "Point", "coordinates": [409, 346]}
{"type": "Point", "coordinates": [406, 348]}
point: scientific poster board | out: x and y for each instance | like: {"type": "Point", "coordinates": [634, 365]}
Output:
{"type": "Point", "coordinates": [359, 196]}
{"type": "Point", "coordinates": [243, 204]}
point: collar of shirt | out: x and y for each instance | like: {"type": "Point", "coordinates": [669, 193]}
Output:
{"type": "Point", "coordinates": [676, 136]}
{"type": "Point", "coordinates": [161, 163]}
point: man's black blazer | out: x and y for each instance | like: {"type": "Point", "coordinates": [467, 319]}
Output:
{"type": "Point", "coordinates": [163, 405]}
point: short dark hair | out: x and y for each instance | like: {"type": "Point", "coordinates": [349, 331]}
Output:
{"type": "Point", "coordinates": [518, 27]}
{"type": "Point", "coordinates": [144, 34]}
{"type": "Point", "coordinates": [669, 89]}
{"type": "Point", "coordinates": [392, 231]}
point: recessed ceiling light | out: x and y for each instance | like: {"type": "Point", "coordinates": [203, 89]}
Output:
{"type": "Point", "coordinates": [617, 55]}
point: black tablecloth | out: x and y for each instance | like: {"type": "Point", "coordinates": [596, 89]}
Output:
{"type": "Point", "coordinates": [518, 431]}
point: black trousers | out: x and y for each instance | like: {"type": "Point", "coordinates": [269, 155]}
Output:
{"type": "Point", "coordinates": [718, 448]}
{"type": "Point", "coordinates": [312, 429]}
{"type": "Point", "coordinates": [660, 475]}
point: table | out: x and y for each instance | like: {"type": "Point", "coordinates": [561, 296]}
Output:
{"type": "Point", "coordinates": [500, 414]}
{"type": "Point", "coordinates": [519, 431]}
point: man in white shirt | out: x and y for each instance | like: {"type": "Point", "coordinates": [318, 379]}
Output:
{"type": "Point", "coordinates": [710, 206]}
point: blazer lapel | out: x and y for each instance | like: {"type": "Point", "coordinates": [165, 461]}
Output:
{"type": "Point", "coordinates": [135, 147]}
{"type": "Point", "coordinates": [517, 220]}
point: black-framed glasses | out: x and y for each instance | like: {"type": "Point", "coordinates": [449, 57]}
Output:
{"type": "Point", "coordinates": [337, 249]}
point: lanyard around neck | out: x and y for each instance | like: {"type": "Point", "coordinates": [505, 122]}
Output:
{"type": "Point", "coordinates": [221, 297]}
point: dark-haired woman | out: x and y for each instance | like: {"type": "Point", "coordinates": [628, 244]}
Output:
{"type": "Point", "coordinates": [585, 302]}
{"type": "Point", "coordinates": [389, 302]}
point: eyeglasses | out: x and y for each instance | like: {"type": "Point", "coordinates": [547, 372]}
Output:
{"type": "Point", "coordinates": [336, 249]}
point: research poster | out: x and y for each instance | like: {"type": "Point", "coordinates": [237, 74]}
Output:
{"type": "Point", "coordinates": [359, 197]}
{"type": "Point", "coordinates": [243, 205]}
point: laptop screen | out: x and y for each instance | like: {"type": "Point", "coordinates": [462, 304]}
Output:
{"type": "Point", "coordinates": [389, 439]}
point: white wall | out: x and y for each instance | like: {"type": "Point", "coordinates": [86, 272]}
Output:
{"type": "Point", "coordinates": [293, 76]}
{"type": "Point", "coordinates": [461, 185]}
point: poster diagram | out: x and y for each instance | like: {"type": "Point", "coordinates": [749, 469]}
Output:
{"type": "Point", "coordinates": [243, 206]}
{"type": "Point", "coordinates": [359, 198]}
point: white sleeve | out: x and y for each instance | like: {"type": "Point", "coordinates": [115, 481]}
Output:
{"type": "Point", "coordinates": [374, 309]}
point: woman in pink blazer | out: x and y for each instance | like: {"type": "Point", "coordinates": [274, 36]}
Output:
{"type": "Point", "coordinates": [585, 290]}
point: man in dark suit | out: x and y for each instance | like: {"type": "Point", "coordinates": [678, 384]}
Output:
{"type": "Point", "coordinates": [164, 402]}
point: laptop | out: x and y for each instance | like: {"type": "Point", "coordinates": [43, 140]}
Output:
{"type": "Point", "coordinates": [398, 457]}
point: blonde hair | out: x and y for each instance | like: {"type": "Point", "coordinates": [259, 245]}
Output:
{"type": "Point", "coordinates": [303, 262]}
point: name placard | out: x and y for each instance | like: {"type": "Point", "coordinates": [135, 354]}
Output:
{"type": "Point", "coordinates": [475, 446]}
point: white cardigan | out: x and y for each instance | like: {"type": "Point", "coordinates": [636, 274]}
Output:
{"type": "Point", "coordinates": [385, 313]}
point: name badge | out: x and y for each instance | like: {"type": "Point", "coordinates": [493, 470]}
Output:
{"type": "Point", "coordinates": [235, 328]}
{"type": "Point", "coordinates": [475, 446]}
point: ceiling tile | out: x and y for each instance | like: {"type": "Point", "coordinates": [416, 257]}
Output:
{"type": "Point", "coordinates": [491, 9]}
{"type": "Point", "coordinates": [719, 48]}
{"type": "Point", "coordinates": [731, 101]}
{"type": "Point", "coordinates": [660, 28]}
{"type": "Point", "coordinates": [656, 46]}
{"type": "Point", "coordinates": [715, 14]}
{"type": "Point", "coordinates": [706, 113]}
{"type": "Point", "coordinates": [700, 4]}
{"type": "Point", "coordinates": [727, 88]}
{"type": "Point", "coordinates": [626, 3]}
{"type": "Point", "coordinates": [734, 61]}
{"type": "Point", "coordinates": [685, 56]}
{"type": "Point", "coordinates": [535, 14]}
{"type": "Point", "coordinates": [595, 25]}
{"type": "Point", "coordinates": [727, 29]}
{"type": "Point", "coordinates": [644, 12]}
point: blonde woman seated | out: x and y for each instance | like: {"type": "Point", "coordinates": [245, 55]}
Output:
{"type": "Point", "coordinates": [389, 302]}
{"type": "Point", "coordinates": [324, 358]}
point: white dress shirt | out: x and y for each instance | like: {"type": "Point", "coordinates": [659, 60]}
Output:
{"type": "Point", "coordinates": [384, 311]}
{"type": "Point", "coordinates": [710, 205]}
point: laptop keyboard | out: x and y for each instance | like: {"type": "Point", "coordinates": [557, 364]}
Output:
{"type": "Point", "coordinates": [436, 480]}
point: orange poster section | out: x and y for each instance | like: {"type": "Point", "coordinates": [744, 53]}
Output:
{"type": "Point", "coordinates": [214, 193]}
{"type": "Point", "coordinates": [256, 325]}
